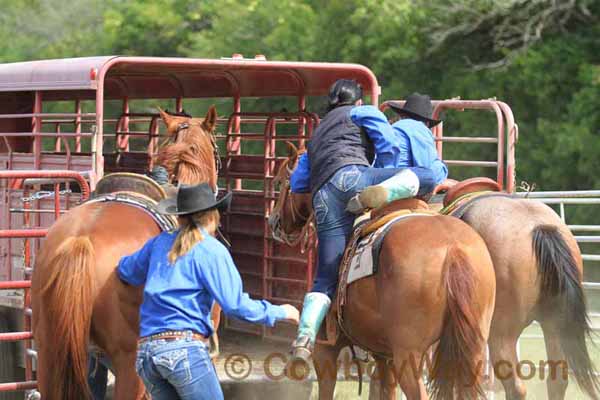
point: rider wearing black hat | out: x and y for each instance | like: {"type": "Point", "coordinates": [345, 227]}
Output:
{"type": "Point", "coordinates": [412, 134]}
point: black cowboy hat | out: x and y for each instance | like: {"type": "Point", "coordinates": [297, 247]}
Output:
{"type": "Point", "coordinates": [192, 199]}
{"type": "Point", "coordinates": [417, 106]}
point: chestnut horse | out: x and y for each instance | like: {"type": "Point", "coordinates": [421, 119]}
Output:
{"type": "Point", "coordinates": [539, 272]}
{"type": "Point", "coordinates": [77, 297]}
{"type": "Point", "coordinates": [435, 283]}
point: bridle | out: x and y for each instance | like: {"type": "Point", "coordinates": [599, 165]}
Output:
{"type": "Point", "coordinates": [213, 141]}
{"type": "Point", "coordinates": [291, 239]}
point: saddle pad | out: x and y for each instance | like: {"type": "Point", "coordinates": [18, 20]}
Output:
{"type": "Point", "coordinates": [363, 263]}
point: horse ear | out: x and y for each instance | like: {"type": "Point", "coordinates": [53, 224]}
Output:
{"type": "Point", "coordinates": [292, 150]}
{"type": "Point", "coordinates": [211, 119]}
{"type": "Point", "coordinates": [165, 117]}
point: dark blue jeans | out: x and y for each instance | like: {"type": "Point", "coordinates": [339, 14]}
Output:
{"type": "Point", "coordinates": [334, 223]}
{"type": "Point", "coordinates": [178, 369]}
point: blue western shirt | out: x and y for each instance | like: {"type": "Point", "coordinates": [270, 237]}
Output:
{"type": "Point", "coordinates": [180, 296]}
{"type": "Point", "coordinates": [408, 143]}
{"type": "Point", "coordinates": [417, 148]}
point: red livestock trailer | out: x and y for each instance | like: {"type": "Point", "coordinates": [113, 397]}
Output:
{"type": "Point", "coordinates": [66, 123]}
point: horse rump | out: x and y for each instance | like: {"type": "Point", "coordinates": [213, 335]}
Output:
{"type": "Point", "coordinates": [562, 294]}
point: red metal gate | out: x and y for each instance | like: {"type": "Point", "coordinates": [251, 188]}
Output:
{"type": "Point", "coordinates": [55, 178]}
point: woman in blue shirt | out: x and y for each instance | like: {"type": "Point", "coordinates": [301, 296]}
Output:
{"type": "Point", "coordinates": [336, 168]}
{"type": "Point", "coordinates": [183, 272]}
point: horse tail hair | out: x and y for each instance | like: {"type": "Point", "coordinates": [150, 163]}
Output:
{"type": "Point", "coordinates": [457, 365]}
{"type": "Point", "coordinates": [562, 293]}
{"type": "Point", "coordinates": [67, 296]}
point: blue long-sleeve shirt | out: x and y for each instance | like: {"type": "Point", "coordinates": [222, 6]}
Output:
{"type": "Point", "coordinates": [179, 296]}
{"type": "Point", "coordinates": [417, 148]}
{"type": "Point", "coordinates": [408, 143]}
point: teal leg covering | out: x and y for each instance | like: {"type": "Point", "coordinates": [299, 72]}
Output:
{"type": "Point", "coordinates": [403, 185]}
{"type": "Point", "coordinates": [314, 311]}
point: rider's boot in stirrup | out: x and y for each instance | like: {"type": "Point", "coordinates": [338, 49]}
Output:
{"type": "Point", "coordinates": [314, 310]}
{"type": "Point", "coordinates": [403, 185]}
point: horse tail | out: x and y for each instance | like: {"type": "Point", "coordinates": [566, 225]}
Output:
{"type": "Point", "coordinates": [67, 296]}
{"type": "Point", "coordinates": [457, 365]}
{"type": "Point", "coordinates": [562, 293]}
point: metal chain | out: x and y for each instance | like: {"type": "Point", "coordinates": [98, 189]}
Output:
{"type": "Point", "coordinates": [42, 194]}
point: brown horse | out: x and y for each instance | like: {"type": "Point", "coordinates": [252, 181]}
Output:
{"type": "Point", "coordinates": [77, 298]}
{"type": "Point", "coordinates": [435, 283]}
{"type": "Point", "coordinates": [539, 271]}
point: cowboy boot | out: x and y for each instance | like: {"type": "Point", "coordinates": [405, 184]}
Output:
{"type": "Point", "coordinates": [314, 310]}
{"type": "Point", "coordinates": [403, 185]}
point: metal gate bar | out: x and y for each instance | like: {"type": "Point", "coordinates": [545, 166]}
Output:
{"type": "Point", "coordinates": [43, 176]}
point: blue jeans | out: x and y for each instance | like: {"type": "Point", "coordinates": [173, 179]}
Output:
{"type": "Point", "coordinates": [334, 223]}
{"type": "Point", "coordinates": [178, 369]}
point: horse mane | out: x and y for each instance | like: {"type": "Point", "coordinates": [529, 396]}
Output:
{"type": "Point", "coordinates": [191, 158]}
{"type": "Point", "coordinates": [181, 113]}
{"type": "Point", "coordinates": [283, 168]}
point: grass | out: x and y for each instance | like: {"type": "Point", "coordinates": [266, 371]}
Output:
{"type": "Point", "coordinates": [531, 348]}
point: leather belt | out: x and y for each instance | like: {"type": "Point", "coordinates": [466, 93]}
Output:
{"type": "Point", "coordinates": [174, 335]}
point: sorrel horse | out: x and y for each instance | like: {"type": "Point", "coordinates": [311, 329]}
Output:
{"type": "Point", "coordinates": [77, 298]}
{"type": "Point", "coordinates": [539, 273]}
{"type": "Point", "coordinates": [435, 283]}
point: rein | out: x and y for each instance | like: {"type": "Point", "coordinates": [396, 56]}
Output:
{"type": "Point", "coordinates": [279, 234]}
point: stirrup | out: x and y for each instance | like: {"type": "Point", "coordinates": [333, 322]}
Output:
{"type": "Point", "coordinates": [298, 366]}
{"type": "Point", "coordinates": [302, 348]}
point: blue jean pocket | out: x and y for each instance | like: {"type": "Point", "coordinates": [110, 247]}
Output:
{"type": "Point", "coordinates": [174, 366]}
{"type": "Point", "coordinates": [346, 178]}
{"type": "Point", "coordinates": [320, 206]}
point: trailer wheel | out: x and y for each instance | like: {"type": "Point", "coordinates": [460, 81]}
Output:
{"type": "Point", "coordinates": [8, 362]}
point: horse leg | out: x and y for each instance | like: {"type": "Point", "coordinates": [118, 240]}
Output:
{"type": "Point", "coordinates": [383, 382]}
{"type": "Point", "coordinates": [128, 384]}
{"type": "Point", "coordinates": [503, 353]}
{"type": "Point", "coordinates": [557, 378]}
{"type": "Point", "coordinates": [325, 360]}
{"type": "Point", "coordinates": [407, 371]}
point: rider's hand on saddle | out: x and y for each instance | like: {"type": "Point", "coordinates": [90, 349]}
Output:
{"type": "Point", "coordinates": [291, 313]}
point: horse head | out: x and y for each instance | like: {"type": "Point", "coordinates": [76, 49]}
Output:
{"type": "Point", "coordinates": [190, 152]}
{"type": "Point", "coordinates": [291, 218]}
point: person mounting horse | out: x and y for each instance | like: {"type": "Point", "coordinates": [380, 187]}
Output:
{"type": "Point", "coordinates": [406, 297]}
{"type": "Point", "coordinates": [77, 297]}
{"type": "Point", "coordinates": [539, 272]}
{"type": "Point", "coordinates": [336, 168]}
